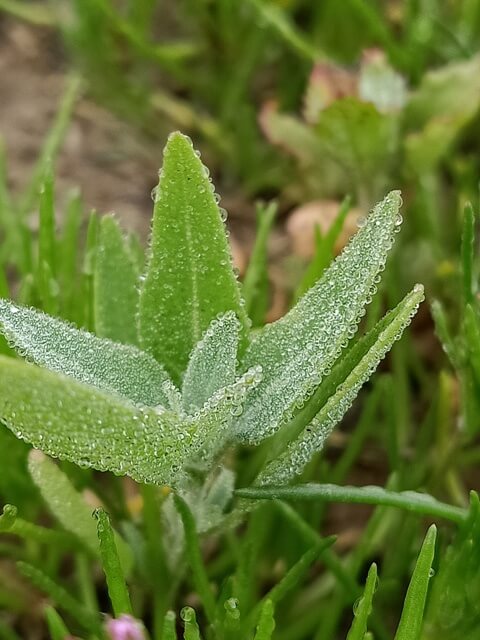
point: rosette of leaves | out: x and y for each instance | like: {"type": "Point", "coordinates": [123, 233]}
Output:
{"type": "Point", "coordinates": [172, 376]}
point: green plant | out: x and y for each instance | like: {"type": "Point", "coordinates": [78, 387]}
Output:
{"type": "Point", "coordinates": [166, 410]}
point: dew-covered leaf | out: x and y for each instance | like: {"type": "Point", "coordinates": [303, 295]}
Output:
{"type": "Point", "coordinates": [115, 285]}
{"type": "Point", "coordinates": [60, 347]}
{"type": "Point", "coordinates": [299, 349]}
{"type": "Point", "coordinates": [300, 450]}
{"type": "Point", "coordinates": [189, 278]}
{"type": "Point", "coordinates": [212, 425]}
{"type": "Point", "coordinates": [72, 421]}
{"type": "Point", "coordinates": [212, 363]}
{"type": "Point", "coordinates": [68, 506]}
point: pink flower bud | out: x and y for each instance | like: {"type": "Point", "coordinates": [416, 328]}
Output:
{"type": "Point", "coordinates": [124, 628]}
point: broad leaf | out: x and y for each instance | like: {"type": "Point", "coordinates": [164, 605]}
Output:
{"type": "Point", "coordinates": [189, 278]}
{"type": "Point", "coordinates": [60, 347]}
{"type": "Point", "coordinates": [76, 422]}
{"type": "Point", "coordinates": [115, 285]}
{"type": "Point", "coordinates": [299, 349]}
{"type": "Point", "coordinates": [212, 363]}
{"type": "Point", "coordinates": [299, 452]}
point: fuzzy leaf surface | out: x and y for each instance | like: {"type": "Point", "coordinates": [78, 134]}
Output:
{"type": "Point", "coordinates": [299, 349]}
{"type": "Point", "coordinates": [72, 421]}
{"type": "Point", "coordinates": [115, 285]}
{"type": "Point", "coordinates": [189, 278]}
{"type": "Point", "coordinates": [212, 363]}
{"type": "Point", "coordinates": [60, 347]}
{"type": "Point", "coordinates": [299, 451]}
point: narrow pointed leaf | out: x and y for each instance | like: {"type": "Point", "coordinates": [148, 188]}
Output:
{"type": "Point", "coordinates": [364, 608]}
{"type": "Point", "coordinates": [189, 278]}
{"type": "Point", "coordinates": [56, 626]}
{"type": "Point", "coordinates": [115, 285]}
{"type": "Point", "coordinates": [117, 587]}
{"type": "Point", "coordinates": [298, 350]}
{"type": "Point", "coordinates": [68, 506]}
{"type": "Point", "coordinates": [73, 421]}
{"type": "Point", "coordinates": [312, 438]}
{"type": "Point", "coordinates": [64, 502]}
{"type": "Point", "coordinates": [266, 623]}
{"type": "Point", "coordinates": [411, 621]}
{"type": "Point", "coordinates": [60, 347]}
{"type": "Point", "coordinates": [213, 362]}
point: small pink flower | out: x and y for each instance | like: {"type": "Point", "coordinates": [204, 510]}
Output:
{"type": "Point", "coordinates": [124, 628]}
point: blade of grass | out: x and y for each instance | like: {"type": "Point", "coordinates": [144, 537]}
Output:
{"type": "Point", "coordinates": [364, 608]}
{"type": "Point", "coordinates": [55, 624]}
{"type": "Point", "coordinates": [266, 622]}
{"type": "Point", "coordinates": [410, 625]}
{"type": "Point", "coordinates": [116, 584]}
{"type": "Point", "coordinates": [467, 253]}
{"type": "Point", "coordinates": [412, 501]}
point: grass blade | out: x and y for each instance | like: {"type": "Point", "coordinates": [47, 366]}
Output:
{"type": "Point", "coordinates": [410, 625]}
{"type": "Point", "coordinates": [266, 623]}
{"type": "Point", "coordinates": [412, 501]}
{"type": "Point", "coordinates": [56, 626]}
{"type": "Point", "coordinates": [364, 608]}
{"type": "Point", "coordinates": [117, 587]}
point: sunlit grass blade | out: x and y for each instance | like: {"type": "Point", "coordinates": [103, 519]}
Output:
{"type": "Point", "coordinates": [117, 587]}
{"type": "Point", "coordinates": [212, 363]}
{"type": "Point", "coordinates": [298, 350]}
{"type": "Point", "coordinates": [195, 560]}
{"type": "Point", "coordinates": [189, 278]}
{"type": "Point", "coordinates": [60, 347]}
{"type": "Point", "coordinates": [103, 432]}
{"type": "Point", "coordinates": [410, 625]}
{"type": "Point", "coordinates": [421, 503]}
{"type": "Point", "coordinates": [364, 607]}
{"type": "Point", "coordinates": [68, 262]}
{"type": "Point", "coordinates": [115, 285]}
{"type": "Point", "coordinates": [88, 271]}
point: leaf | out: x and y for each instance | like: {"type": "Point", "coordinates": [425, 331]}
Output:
{"type": "Point", "coordinates": [72, 421]}
{"type": "Point", "coordinates": [266, 623]}
{"type": "Point", "coordinates": [212, 363]}
{"type": "Point", "coordinates": [169, 626]}
{"type": "Point", "coordinates": [192, 630]}
{"type": "Point", "coordinates": [115, 285]}
{"type": "Point", "coordinates": [189, 278]}
{"type": "Point", "coordinates": [410, 625]}
{"type": "Point", "coordinates": [299, 349]}
{"type": "Point", "coordinates": [364, 607]}
{"type": "Point", "coordinates": [56, 626]}
{"type": "Point", "coordinates": [420, 503]}
{"type": "Point", "coordinates": [68, 507]}
{"type": "Point", "coordinates": [312, 438]}
{"type": "Point", "coordinates": [60, 347]}
{"type": "Point", "coordinates": [117, 588]}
